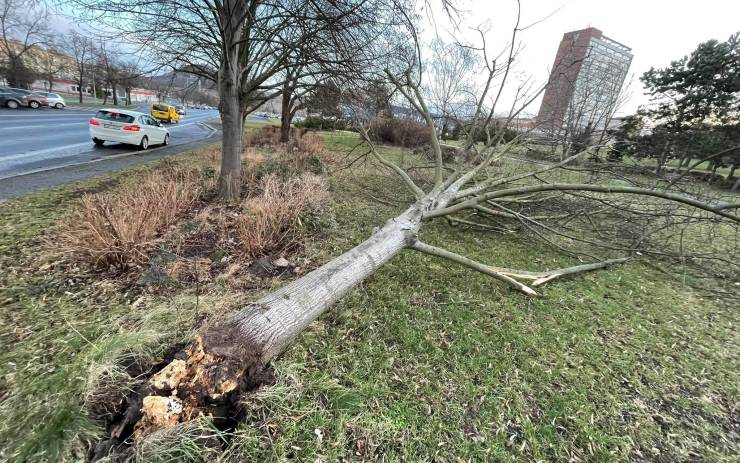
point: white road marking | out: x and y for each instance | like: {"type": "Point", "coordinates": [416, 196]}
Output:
{"type": "Point", "coordinates": [37, 116]}
{"type": "Point", "coordinates": [106, 158]}
{"type": "Point", "coordinates": [44, 151]}
{"type": "Point", "coordinates": [50, 126]}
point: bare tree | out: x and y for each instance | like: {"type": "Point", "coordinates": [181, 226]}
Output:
{"type": "Point", "coordinates": [560, 203]}
{"type": "Point", "coordinates": [83, 50]}
{"type": "Point", "coordinates": [243, 46]}
{"type": "Point", "coordinates": [446, 92]}
{"type": "Point", "coordinates": [110, 68]}
{"type": "Point", "coordinates": [52, 62]}
{"type": "Point", "coordinates": [23, 26]}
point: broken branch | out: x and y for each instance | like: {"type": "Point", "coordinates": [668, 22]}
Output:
{"type": "Point", "coordinates": [462, 260]}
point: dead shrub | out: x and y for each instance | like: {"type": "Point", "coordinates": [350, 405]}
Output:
{"type": "Point", "coordinates": [399, 132]}
{"type": "Point", "coordinates": [267, 135]}
{"type": "Point", "coordinates": [117, 229]}
{"type": "Point", "coordinates": [271, 221]}
{"type": "Point", "coordinates": [309, 144]}
{"type": "Point", "coordinates": [270, 135]}
{"type": "Point", "coordinates": [449, 154]}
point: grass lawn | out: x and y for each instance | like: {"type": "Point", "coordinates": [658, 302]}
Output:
{"type": "Point", "coordinates": [674, 164]}
{"type": "Point", "coordinates": [425, 361]}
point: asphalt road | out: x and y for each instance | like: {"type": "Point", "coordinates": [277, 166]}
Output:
{"type": "Point", "coordinates": [47, 147]}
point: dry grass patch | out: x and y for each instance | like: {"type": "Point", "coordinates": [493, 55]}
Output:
{"type": "Point", "coordinates": [271, 222]}
{"type": "Point", "coordinates": [308, 144]}
{"type": "Point", "coordinates": [269, 135]}
{"type": "Point", "coordinates": [117, 229]}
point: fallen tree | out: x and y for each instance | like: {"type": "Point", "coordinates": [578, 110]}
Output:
{"type": "Point", "coordinates": [229, 355]}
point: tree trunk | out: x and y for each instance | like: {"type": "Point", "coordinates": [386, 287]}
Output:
{"type": "Point", "coordinates": [229, 183]}
{"type": "Point", "coordinates": [79, 88]}
{"type": "Point", "coordinates": [115, 94]}
{"type": "Point", "coordinates": [732, 172]}
{"type": "Point", "coordinates": [269, 325]}
{"type": "Point", "coordinates": [285, 114]}
{"type": "Point", "coordinates": [662, 160]}
{"type": "Point", "coordinates": [713, 173]}
{"type": "Point", "coordinates": [232, 354]}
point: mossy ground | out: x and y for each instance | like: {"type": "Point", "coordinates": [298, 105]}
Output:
{"type": "Point", "coordinates": [425, 361]}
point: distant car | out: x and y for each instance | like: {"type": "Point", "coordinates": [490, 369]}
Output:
{"type": "Point", "coordinates": [31, 99]}
{"type": "Point", "coordinates": [181, 110]}
{"type": "Point", "coordinates": [28, 98]}
{"type": "Point", "coordinates": [55, 100]}
{"type": "Point", "coordinates": [10, 99]}
{"type": "Point", "coordinates": [128, 127]}
{"type": "Point", "coordinates": [165, 112]}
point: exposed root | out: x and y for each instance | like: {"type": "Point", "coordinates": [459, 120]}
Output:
{"type": "Point", "coordinates": [186, 389]}
{"type": "Point", "coordinates": [201, 381]}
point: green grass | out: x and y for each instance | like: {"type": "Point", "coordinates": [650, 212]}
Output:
{"type": "Point", "coordinates": [424, 361]}
{"type": "Point", "coordinates": [254, 123]}
{"type": "Point", "coordinates": [674, 164]}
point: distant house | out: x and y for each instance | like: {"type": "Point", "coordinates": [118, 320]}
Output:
{"type": "Point", "coordinates": [46, 62]}
{"type": "Point", "coordinates": [141, 95]}
{"type": "Point", "coordinates": [64, 87]}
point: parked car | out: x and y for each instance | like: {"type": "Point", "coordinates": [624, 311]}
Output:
{"type": "Point", "coordinates": [10, 99]}
{"type": "Point", "coordinates": [165, 112]}
{"type": "Point", "coordinates": [29, 98]}
{"type": "Point", "coordinates": [54, 100]}
{"type": "Point", "coordinates": [128, 127]}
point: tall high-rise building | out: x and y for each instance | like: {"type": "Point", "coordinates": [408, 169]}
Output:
{"type": "Point", "coordinates": [585, 82]}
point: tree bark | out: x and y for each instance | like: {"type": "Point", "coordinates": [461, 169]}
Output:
{"type": "Point", "coordinates": [229, 182]}
{"type": "Point", "coordinates": [269, 325]}
{"type": "Point", "coordinates": [285, 113]}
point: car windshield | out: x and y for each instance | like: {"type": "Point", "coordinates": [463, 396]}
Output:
{"type": "Point", "coordinates": [160, 107]}
{"type": "Point", "coordinates": [116, 117]}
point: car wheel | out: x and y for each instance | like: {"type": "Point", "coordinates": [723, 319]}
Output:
{"type": "Point", "coordinates": [12, 104]}
{"type": "Point", "coordinates": [59, 106]}
{"type": "Point", "coordinates": [98, 142]}
{"type": "Point", "coordinates": [34, 104]}
{"type": "Point", "coordinates": [166, 140]}
{"type": "Point", "coordinates": [144, 145]}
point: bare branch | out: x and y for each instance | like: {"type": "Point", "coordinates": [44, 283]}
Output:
{"type": "Point", "coordinates": [462, 260]}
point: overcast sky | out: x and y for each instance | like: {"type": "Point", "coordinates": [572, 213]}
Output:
{"type": "Point", "coordinates": [658, 31]}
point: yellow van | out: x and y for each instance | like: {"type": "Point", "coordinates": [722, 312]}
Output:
{"type": "Point", "coordinates": [165, 112]}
